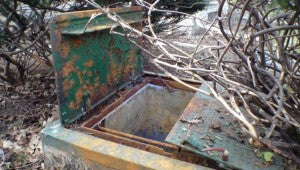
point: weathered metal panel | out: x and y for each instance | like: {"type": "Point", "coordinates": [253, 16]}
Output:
{"type": "Point", "coordinates": [206, 123]}
{"type": "Point", "coordinates": [91, 64]}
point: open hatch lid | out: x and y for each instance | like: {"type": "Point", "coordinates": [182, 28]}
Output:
{"type": "Point", "coordinates": [90, 63]}
{"type": "Point", "coordinates": [206, 123]}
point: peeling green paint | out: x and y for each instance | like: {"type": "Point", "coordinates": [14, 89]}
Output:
{"type": "Point", "coordinates": [91, 64]}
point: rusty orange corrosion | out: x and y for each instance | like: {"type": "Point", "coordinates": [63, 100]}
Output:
{"type": "Point", "coordinates": [77, 41]}
{"type": "Point", "coordinates": [90, 63]}
{"type": "Point", "coordinates": [136, 141]}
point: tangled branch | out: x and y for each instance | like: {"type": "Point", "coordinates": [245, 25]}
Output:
{"type": "Point", "coordinates": [24, 39]}
{"type": "Point", "coordinates": [255, 57]}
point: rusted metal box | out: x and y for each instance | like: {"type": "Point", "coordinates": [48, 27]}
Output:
{"type": "Point", "coordinates": [101, 74]}
{"type": "Point", "coordinates": [142, 116]}
{"type": "Point", "coordinates": [95, 67]}
{"type": "Point", "coordinates": [90, 63]}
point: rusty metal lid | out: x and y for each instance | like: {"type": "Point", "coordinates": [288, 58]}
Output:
{"type": "Point", "coordinates": [75, 23]}
{"type": "Point", "coordinates": [91, 64]}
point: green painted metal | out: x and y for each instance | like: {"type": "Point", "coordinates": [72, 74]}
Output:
{"type": "Point", "coordinates": [91, 64]}
{"type": "Point", "coordinates": [216, 128]}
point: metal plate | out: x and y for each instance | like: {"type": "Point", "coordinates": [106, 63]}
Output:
{"type": "Point", "coordinates": [216, 127]}
{"type": "Point", "coordinates": [91, 65]}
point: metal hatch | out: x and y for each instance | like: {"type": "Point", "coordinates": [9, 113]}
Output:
{"type": "Point", "coordinates": [90, 63]}
{"type": "Point", "coordinates": [214, 127]}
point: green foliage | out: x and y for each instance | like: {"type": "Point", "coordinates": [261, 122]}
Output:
{"type": "Point", "coordinates": [286, 5]}
{"type": "Point", "coordinates": [268, 156]}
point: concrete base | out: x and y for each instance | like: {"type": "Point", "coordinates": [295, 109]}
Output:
{"type": "Point", "coordinates": [68, 149]}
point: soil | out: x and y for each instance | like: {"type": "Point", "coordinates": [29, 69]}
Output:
{"type": "Point", "coordinates": [24, 111]}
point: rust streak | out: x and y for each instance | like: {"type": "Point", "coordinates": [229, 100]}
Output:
{"type": "Point", "coordinates": [67, 69]}
{"type": "Point", "coordinates": [77, 41]}
{"type": "Point", "coordinates": [67, 85]}
{"type": "Point", "coordinates": [65, 49]}
{"type": "Point", "coordinates": [89, 63]}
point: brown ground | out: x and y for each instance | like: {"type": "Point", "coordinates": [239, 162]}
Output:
{"type": "Point", "coordinates": [24, 111]}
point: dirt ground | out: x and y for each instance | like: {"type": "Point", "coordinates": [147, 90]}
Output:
{"type": "Point", "coordinates": [24, 111]}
